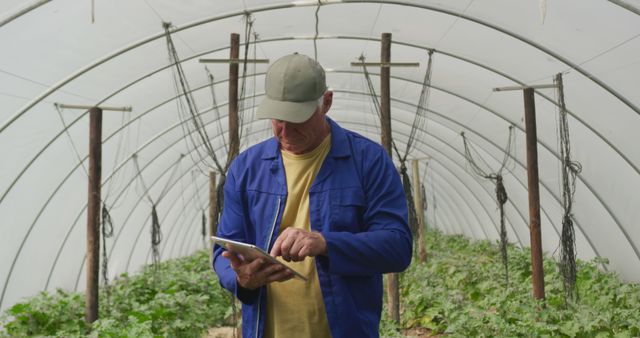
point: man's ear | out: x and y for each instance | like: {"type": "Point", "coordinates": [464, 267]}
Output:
{"type": "Point", "coordinates": [327, 99]}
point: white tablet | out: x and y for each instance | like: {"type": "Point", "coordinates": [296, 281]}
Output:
{"type": "Point", "coordinates": [250, 252]}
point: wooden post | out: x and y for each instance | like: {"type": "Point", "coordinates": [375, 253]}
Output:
{"type": "Point", "coordinates": [385, 98]}
{"type": "Point", "coordinates": [417, 202]}
{"type": "Point", "coordinates": [234, 139]}
{"type": "Point", "coordinates": [93, 214]}
{"type": "Point", "coordinates": [393, 288]}
{"type": "Point", "coordinates": [213, 205]}
{"type": "Point", "coordinates": [534, 193]}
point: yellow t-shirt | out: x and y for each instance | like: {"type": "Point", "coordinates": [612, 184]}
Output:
{"type": "Point", "coordinates": [295, 308]}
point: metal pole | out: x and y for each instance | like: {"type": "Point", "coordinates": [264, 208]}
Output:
{"type": "Point", "coordinates": [534, 193]}
{"type": "Point", "coordinates": [417, 201]}
{"type": "Point", "coordinates": [393, 293]}
{"type": "Point", "coordinates": [93, 214]}
{"type": "Point", "coordinates": [386, 64]}
{"type": "Point", "coordinates": [233, 61]}
{"type": "Point", "coordinates": [103, 108]}
{"type": "Point", "coordinates": [234, 140]}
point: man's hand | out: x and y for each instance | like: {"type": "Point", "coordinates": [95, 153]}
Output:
{"type": "Point", "coordinates": [296, 244]}
{"type": "Point", "coordinates": [252, 275]}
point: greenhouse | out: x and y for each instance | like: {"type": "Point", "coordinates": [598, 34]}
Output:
{"type": "Point", "coordinates": [512, 127]}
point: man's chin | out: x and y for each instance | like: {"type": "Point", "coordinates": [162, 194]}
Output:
{"type": "Point", "coordinates": [290, 147]}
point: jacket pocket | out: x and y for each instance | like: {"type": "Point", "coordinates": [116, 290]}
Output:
{"type": "Point", "coordinates": [347, 209]}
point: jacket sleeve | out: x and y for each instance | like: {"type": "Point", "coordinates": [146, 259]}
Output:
{"type": "Point", "coordinates": [386, 244]}
{"type": "Point", "coordinates": [232, 226]}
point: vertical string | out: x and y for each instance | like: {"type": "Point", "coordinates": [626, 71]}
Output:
{"type": "Point", "coordinates": [501, 192]}
{"type": "Point", "coordinates": [570, 169]}
{"type": "Point", "coordinates": [107, 232]}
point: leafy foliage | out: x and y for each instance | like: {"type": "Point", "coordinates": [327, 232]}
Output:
{"type": "Point", "coordinates": [460, 292]}
{"type": "Point", "coordinates": [181, 298]}
{"type": "Point", "coordinates": [46, 314]}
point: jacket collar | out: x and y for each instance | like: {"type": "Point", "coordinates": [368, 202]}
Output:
{"type": "Point", "coordinates": [338, 140]}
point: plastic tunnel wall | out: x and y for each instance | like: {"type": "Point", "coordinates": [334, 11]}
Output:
{"type": "Point", "coordinates": [115, 54]}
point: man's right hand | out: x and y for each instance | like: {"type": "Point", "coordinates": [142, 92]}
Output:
{"type": "Point", "coordinates": [252, 275]}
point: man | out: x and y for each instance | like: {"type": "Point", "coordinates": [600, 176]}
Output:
{"type": "Point", "coordinates": [325, 200]}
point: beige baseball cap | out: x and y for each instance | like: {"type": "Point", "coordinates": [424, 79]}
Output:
{"type": "Point", "coordinates": [293, 85]}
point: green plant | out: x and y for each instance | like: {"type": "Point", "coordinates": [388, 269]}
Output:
{"type": "Point", "coordinates": [461, 292]}
{"type": "Point", "coordinates": [46, 314]}
{"type": "Point", "coordinates": [178, 298]}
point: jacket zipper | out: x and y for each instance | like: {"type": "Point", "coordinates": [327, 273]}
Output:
{"type": "Point", "coordinates": [273, 226]}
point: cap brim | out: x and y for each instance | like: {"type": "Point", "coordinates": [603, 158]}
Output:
{"type": "Point", "coordinates": [296, 112]}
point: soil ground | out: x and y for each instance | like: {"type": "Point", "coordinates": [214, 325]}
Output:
{"type": "Point", "coordinates": [227, 332]}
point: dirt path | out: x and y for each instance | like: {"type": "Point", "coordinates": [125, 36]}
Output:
{"type": "Point", "coordinates": [420, 332]}
{"type": "Point", "coordinates": [220, 332]}
{"type": "Point", "coordinates": [227, 332]}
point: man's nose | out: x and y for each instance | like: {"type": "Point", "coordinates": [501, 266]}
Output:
{"type": "Point", "coordinates": [285, 127]}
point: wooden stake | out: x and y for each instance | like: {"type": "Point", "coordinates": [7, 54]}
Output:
{"type": "Point", "coordinates": [385, 98]}
{"type": "Point", "coordinates": [534, 193]}
{"type": "Point", "coordinates": [213, 205]}
{"type": "Point", "coordinates": [393, 288]}
{"type": "Point", "coordinates": [93, 215]}
{"type": "Point", "coordinates": [234, 139]}
{"type": "Point", "coordinates": [417, 201]}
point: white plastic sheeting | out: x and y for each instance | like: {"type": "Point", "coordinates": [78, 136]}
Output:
{"type": "Point", "coordinates": [52, 52]}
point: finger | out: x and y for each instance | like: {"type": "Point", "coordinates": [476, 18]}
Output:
{"type": "Point", "coordinates": [311, 246]}
{"type": "Point", "coordinates": [281, 276]}
{"type": "Point", "coordinates": [314, 245]}
{"type": "Point", "coordinates": [287, 243]}
{"type": "Point", "coordinates": [304, 252]}
{"type": "Point", "coordinates": [271, 268]}
{"type": "Point", "coordinates": [275, 272]}
{"type": "Point", "coordinates": [277, 245]}
{"type": "Point", "coordinates": [275, 251]}
{"type": "Point", "coordinates": [233, 259]}
{"type": "Point", "coordinates": [296, 252]}
{"type": "Point", "coordinates": [257, 273]}
{"type": "Point", "coordinates": [256, 265]}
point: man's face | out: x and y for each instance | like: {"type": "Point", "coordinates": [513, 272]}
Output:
{"type": "Point", "coordinates": [299, 138]}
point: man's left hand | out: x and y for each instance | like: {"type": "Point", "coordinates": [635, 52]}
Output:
{"type": "Point", "coordinates": [296, 244]}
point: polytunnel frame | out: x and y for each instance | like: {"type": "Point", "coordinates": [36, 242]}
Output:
{"type": "Point", "coordinates": [260, 131]}
{"type": "Point", "coordinates": [184, 173]}
{"type": "Point", "coordinates": [550, 191]}
{"type": "Point", "coordinates": [23, 11]}
{"type": "Point", "coordinates": [588, 126]}
{"type": "Point", "coordinates": [403, 79]}
{"type": "Point", "coordinates": [459, 194]}
{"type": "Point", "coordinates": [447, 91]}
{"type": "Point", "coordinates": [185, 238]}
{"type": "Point", "coordinates": [593, 248]}
{"type": "Point", "coordinates": [483, 208]}
{"type": "Point", "coordinates": [178, 140]}
{"type": "Point", "coordinates": [161, 175]}
{"type": "Point", "coordinates": [553, 152]}
{"type": "Point", "coordinates": [291, 5]}
{"type": "Point", "coordinates": [576, 117]}
{"type": "Point", "coordinates": [134, 246]}
{"type": "Point", "coordinates": [459, 15]}
{"type": "Point", "coordinates": [426, 8]}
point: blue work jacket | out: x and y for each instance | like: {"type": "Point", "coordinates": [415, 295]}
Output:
{"type": "Point", "coordinates": [356, 201]}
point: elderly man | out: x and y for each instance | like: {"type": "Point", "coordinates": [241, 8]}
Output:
{"type": "Point", "coordinates": [324, 200]}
